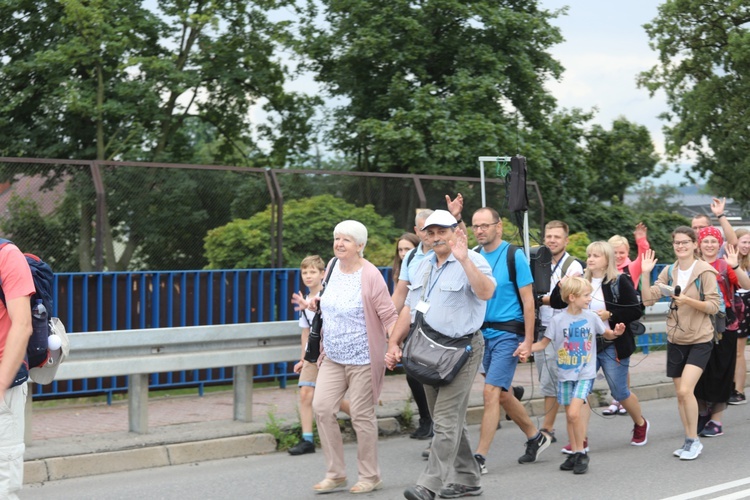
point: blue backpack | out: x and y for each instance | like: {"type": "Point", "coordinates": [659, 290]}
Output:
{"type": "Point", "coordinates": [37, 352]}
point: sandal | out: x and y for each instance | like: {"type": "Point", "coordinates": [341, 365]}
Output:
{"type": "Point", "coordinates": [621, 410]}
{"type": "Point", "coordinates": [365, 487]}
{"type": "Point", "coordinates": [612, 409]}
{"type": "Point", "coordinates": [329, 484]}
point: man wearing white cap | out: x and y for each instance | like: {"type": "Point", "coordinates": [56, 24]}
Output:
{"type": "Point", "coordinates": [450, 290]}
{"type": "Point", "coordinates": [15, 330]}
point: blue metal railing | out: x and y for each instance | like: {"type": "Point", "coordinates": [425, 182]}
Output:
{"type": "Point", "coordinates": [154, 299]}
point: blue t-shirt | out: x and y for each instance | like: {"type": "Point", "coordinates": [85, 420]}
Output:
{"type": "Point", "coordinates": [504, 306]}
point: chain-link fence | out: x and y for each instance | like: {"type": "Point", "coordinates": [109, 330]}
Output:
{"type": "Point", "coordinates": [89, 216]}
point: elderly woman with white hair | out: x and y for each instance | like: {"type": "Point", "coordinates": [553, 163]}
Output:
{"type": "Point", "coordinates": [358, 315]}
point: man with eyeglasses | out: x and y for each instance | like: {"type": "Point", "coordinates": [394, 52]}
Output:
{"type": "Point", "coordinates": [508, 331]}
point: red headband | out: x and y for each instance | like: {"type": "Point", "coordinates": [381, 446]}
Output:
{"type": "Point", "coordinates": [710, 231]}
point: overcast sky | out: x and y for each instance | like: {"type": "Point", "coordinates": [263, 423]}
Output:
{"type": "Point", "coordinates": [605, 49]}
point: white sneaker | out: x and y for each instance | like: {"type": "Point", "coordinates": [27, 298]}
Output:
{"type": "Point", "coordinates": [692, 452]}
{"type": "Point", "coordinates": [678, 451]}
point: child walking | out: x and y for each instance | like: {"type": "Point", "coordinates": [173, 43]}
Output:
{"type": "Point", "coordinates": [312, 269]}
{"type": "Point", "coordinates": [573, 335]}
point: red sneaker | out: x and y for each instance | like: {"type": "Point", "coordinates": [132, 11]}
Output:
{"type": "Point", "coordinates": [640, 434]}
{"type": "Point", "coordinates": [569, 451]}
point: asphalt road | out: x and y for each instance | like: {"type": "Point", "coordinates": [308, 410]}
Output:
{"type": "Point", "coordinates": [617, 470]}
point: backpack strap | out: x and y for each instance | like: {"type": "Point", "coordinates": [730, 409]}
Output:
{"type": "Point", "coordinates": [566, 265]}
{"type": "Point", "coordinates": [511, 261]}
{"type": "Point", "coordinates": [614, 286]}
{"type": "Point", "coordinates": [410, 256]}
{"type": "Point", "coordinates": [3, 244]}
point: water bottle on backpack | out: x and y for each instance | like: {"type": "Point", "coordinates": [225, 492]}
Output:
{"type": "Point", "coordinates": [38, 343]}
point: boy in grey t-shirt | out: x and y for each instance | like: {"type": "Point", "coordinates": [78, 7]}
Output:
{"type": "Point", "coordinates": [573, 335]}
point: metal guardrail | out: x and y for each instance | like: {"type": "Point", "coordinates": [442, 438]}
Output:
{"type": "Point", "coordinates": [138, 353]}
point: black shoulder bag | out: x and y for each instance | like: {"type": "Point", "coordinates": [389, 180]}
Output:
{"type": "Point", "coordinates": [431, 357]}
{"type": "Point", "coordinates": [312, 349]}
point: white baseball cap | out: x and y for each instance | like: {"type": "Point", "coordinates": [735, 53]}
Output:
{"type": "Point", "coordinates": [442, 218]}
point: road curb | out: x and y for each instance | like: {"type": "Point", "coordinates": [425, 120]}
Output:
{"type": "Point", "coordinates": [215, 448]}
{"type": "Point", "coordinates": [92, 464]}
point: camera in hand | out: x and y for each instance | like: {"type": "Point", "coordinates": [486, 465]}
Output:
{"type": "Point", "coordinates": [312, 350]}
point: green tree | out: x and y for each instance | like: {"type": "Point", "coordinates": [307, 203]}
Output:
{"type": "Point", "coordinates": [619, 158]}
{"type": "Point", "coordinates": [704, 70]}
{"type": "Point", "coordinates": [115, 80]}
{"type": "Point", "coordinates": [601, 222]}
{"type": "Point", "coordinates": [308, 229]}
{"type": "Point", "coordinates": [431, 85]}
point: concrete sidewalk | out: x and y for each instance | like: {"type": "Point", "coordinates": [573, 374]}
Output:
{"type": "Point", "coordinates": [73, 441]}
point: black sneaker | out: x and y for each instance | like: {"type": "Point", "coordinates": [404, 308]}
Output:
{"type": "Point", "coordinates": [582, 464]}
{"type": "Point", "coordinates": [455, 490]}
{"type": "Point", "coordinates": [738, 398]}
{"type": "Point", "coordinates": [702, 421]}
{"type": "Point", "coordinates": [418, 492]}
{"type": "Point", "coordinates": [533, 448]}
{"type": "Point", "coordinates": [424, 431]}
{"type": "Point", "coordinates": [481, 461]}
{"type": "Point", "coordinates": [302, 447]}
{"type": "Point", "coordinates": [553, 439]}
{"type": "Point", "coordinates": [569, 462]}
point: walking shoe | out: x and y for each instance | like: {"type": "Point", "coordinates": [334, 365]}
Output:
{"type": "Point", "coordinates": [329, 484]}
{"type": "Point", "coordinates": [569, 462]}
{"type": "Point", "coordinates": [365, 487]}
{"type": "Point", "coordinates": [302, 447]}
{"type": "Point", "coordinates": [424, 431]}
{"type": "Point", "coordinates": [582, 464]}
{"type": "Point", "coordinates": [418, 492]}
{"type": "Point", "coordinates": [534, 447]}
{"type": "Point", "coordinates": [702, 421]}
{"type": "Point", "coordinates": [455, 490]}
{"type": "Point", "coordinates": [426, 453]}
{"type": "Point", "coordinates": [678, 452]}
{"type": "Point", "coordinates": [551, 434]}
{"type": "Point", "coordinates": [481, 461]}
{"type": "Point", "coordinates": [569, 451]}
{"type": "Point", "coordinates": [692, 452]}
{"type": "Point", "coordinates": [712, 429]}
{"type": "Point", "coordinates": [640, 433]}
{"type": "Point", "coordinates": [737, 398]}
{"type": "Point", "coordinates": [518, 394]}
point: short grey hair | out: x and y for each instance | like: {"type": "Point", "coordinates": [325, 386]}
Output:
{"type": "Point", "coordinates": [422, 215]}
{"type": "Point", "coordinates": [355, 229]}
